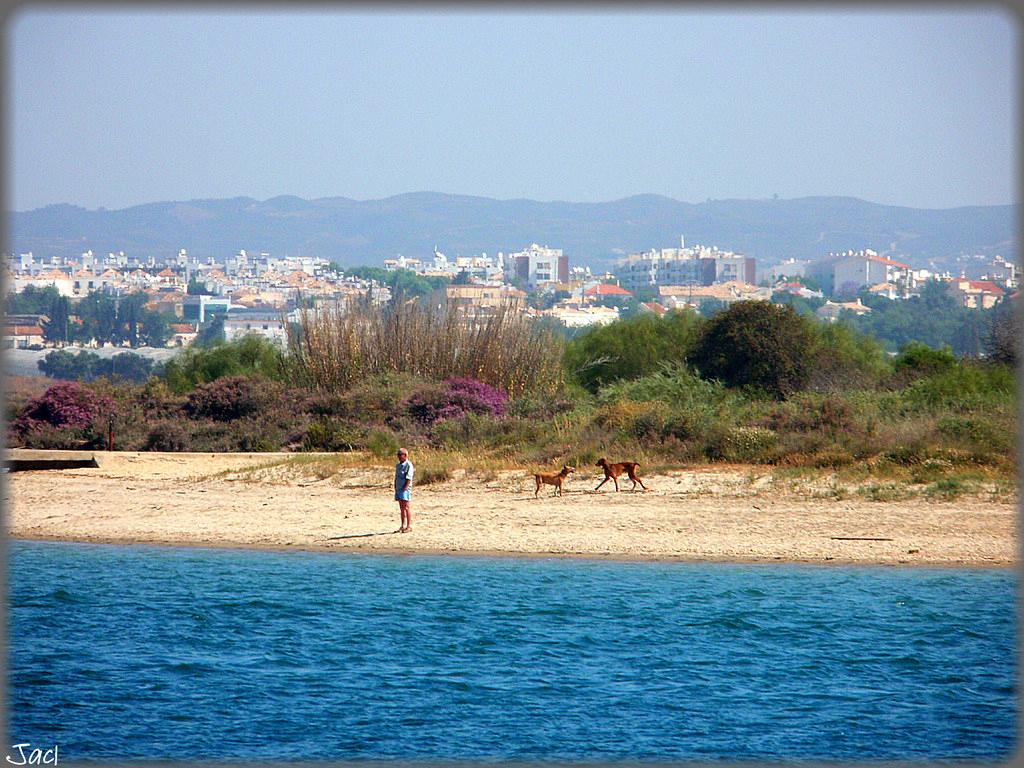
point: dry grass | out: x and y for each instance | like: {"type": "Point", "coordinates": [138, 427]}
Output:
{"type": "Point", "coordinates": [861, 481]}
{"type": "Point", "coordinates": [339, 345]}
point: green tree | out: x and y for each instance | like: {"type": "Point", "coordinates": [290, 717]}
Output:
{"type": "Point", "coordinates": [32, 300]}
{"type": "Point", "coordinates": [402, 282]}
{"type": "Point", "coordinates": [196, 288]}
{"type": "Point", "coordinates": [756, 344]}
{"type": "Point", "coordinates": [846, 359]}
{"type": "Point", "coordinates": [61, 364]}
{"type": "Point", "coordinates": [129, 316]}
{"type": "Point", "coordinates": [154, 328]}
{"type": "Point", "coordinates": [547, 299]}
{"type": "Point", "coordinates": [628, 349]}
{"type": "Point", "coordinates": [98, 313]}
{"type": "Point", "coordinates": [58, 328]}
{"type": "Point", "coordinates": [44, 301]}
{"type": "Point", "coordinates": [1002, 337]}
{"type": "Point", "coordinates": [212, 333]}
{"type": "Point", "coordinates": [646, 293]}
{"type": "Point", "coordinates": [933, 318]}
{"type": "Point", "coordinates": [248, 356]}
{"type": "Point", "coordinates": [804, 305]}
{"type": "Point", "coordinates": [87, 366]}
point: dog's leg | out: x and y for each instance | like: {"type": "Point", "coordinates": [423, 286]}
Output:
{"type": "Point", "coordinates": [636, 478]}
{"type": "Point", "coordinates": [537, 489]}
{"type": "Point", "coordinates": [602, 483]}
{"type": "Point", "coordinates": [616, 483]}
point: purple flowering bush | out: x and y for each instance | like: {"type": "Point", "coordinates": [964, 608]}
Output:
{"type": "Point", "coordinates": [63, 416]}
{"type": "Point", "coordinates": [228, 398]}
{"type": "Point", "coordinates": [455, 398]}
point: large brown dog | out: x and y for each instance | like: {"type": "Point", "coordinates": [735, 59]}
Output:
{"type": "Point", "coordinates": [612, 472]}
{"type": "Point", "coordinates": [554, 479]}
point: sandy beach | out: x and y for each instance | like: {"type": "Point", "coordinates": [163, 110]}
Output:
{"type": "Point", "coordinates": [707, 513]}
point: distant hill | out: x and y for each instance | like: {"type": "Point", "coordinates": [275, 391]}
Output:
{"type": "Point", "coordinates": [364, 232]}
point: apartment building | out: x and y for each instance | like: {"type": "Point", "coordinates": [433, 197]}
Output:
{"type": "Point", "coordinates": [483, 300]}
{"type": "Point", "coordinates": [976, 294]}
{"type": "Point", "coordinates": [697, 265]}
{"type": "Point", "coordinates": [269, 325]}
{"type": "Point", "coordinates": [843, 274]}
{"type": "Point", "coordinates": [537, 265]}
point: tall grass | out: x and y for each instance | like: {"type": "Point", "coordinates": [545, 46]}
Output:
{"type": "Point", "coordinates": [337, 346]}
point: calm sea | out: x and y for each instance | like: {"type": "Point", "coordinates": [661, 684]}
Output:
{"type": "Point", "coordinates": [149, 652]}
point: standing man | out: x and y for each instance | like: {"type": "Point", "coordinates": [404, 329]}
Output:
{"type": "Point", "coordinates": [403, 487]}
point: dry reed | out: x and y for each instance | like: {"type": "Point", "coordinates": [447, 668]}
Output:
{"type": "Point", "coordinates": [337, 345]}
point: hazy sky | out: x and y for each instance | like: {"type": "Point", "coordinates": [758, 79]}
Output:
{"type": "Point", "coordinates": [120, 107]}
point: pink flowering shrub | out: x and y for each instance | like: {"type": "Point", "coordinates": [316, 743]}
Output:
{"type": "Point", "coordinates": [62, 417]}
{"type": "Point", "coordinates": [66, 405]}
{"type": "Point", "coordinates": [455, 398]}
{"type": "Point", "coordinates": [228, 398]}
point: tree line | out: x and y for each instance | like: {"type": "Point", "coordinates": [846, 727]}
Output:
{"type": "Point", "coordinates": [98, 317]}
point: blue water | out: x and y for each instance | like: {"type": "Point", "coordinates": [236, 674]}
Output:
{"type": "Point", "coordinates": [148, 652]}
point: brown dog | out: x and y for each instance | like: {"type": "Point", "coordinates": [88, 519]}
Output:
{"type": "Point", "coordinates": [612, 472]}
{"type": "Point", "coordinates": [554, 479]}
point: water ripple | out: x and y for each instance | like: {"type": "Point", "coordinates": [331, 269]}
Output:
{"type": "Point", "coordinates": [163, 653]}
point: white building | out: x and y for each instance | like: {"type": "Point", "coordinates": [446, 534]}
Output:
{"type": "Point", "coordinates": [62, 282]}
{"type": "Point", "coordinates": [697, 265]}
{"type": "Point", "coordinates": [537, 265]}
{"type": "Point", "coordinates": [580, 316]}
{"type": "Point", "coordinates": [789, 268]}
{"type": "Point", "coordinates": [266, 324]}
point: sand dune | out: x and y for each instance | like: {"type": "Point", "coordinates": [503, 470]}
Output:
{"type": "Point", "coordinates": [703, 513]}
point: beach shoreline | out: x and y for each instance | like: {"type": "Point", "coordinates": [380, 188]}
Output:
{"type": "Point", "coordinates": [705, 514]}
{"type": "Point", "coordinates": [512, 555]}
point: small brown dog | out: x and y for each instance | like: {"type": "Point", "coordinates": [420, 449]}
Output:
{"type": "Point", "coordinates": [612, 472]}
{"type": "Point", "coordinates": [554, 479]}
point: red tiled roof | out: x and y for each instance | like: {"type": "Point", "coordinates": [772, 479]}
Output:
{"type": "Point", "coordinates": [182, 328]}
{"type": "Point", "coordinates": [22, 330]}
{"type": "Point", "coordinates": [604, 289]}
{"type": "Point", "coordinates": [985, 285]}
{"type": "Point", "coordinates": [890, 262]}
{"type": "Point", "coordinates": [655, 307]}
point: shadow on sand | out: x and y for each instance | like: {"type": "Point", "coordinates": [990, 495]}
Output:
{"type": "Point", "coordinates": [359, 535]}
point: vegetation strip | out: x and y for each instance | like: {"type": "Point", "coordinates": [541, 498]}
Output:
{"type": "Point", "coordinates": [756, 383]}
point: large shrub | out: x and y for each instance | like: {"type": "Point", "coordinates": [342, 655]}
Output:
{"type": "Point", "coordinates": [917, 359]}
{"type": "Point", "coordinates": [454, 399]}
{"type": "Point", "coordinates": [231, 397]}
{"type": "Point", "coordinates": [168, 436]}
{"type": "Point", "coordinates": [756, 344]}
{"type": "Point", "coordinates": [66, 415]}
{"type": "Point", "coordinates": [373, 400]}
{"type": "Point", "coordinates": [248, 356]}
{"type": "Point", "coordinates": [845, 359]}
{"type": "Point", "coordinates": [629, 349]}
{"type": "Point", "coordinates": [966, 386]}
{"type": "Point", "coordinates": [65, 405]}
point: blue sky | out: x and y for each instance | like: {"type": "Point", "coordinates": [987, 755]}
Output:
{"type": "Point", "coordinates": [120, 107]}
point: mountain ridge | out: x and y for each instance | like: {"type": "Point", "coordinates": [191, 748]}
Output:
{"type": "Point", "coordinates": [366, 231]}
